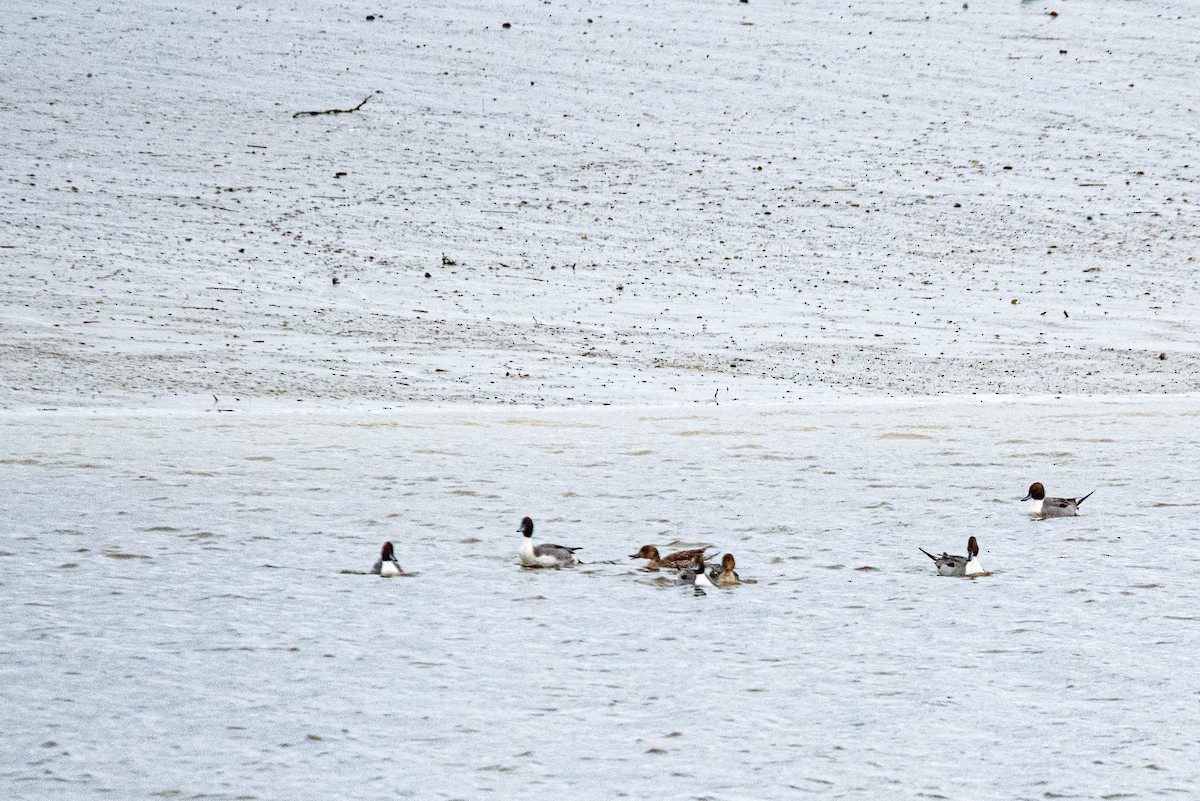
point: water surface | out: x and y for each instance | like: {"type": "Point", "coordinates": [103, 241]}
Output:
{"type": "Point", "coordinates": [185, 616]}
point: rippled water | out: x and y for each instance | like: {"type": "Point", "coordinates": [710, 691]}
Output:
{"type": "Point", "coordinates": [183, 616]}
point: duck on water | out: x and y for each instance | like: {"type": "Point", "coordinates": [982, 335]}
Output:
{"type": "Point", "coordinates": [545, 555]}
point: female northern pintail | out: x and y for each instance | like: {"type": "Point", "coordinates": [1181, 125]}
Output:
{"type": "Point", "coordinates": [948, 565]}
{"type": "Point", "coordinates": [725, 575]}
{"type": "Point", "coordinates": [387, 564]}
{"type": "Point", "coordinates": [675, 561]}
{"type": "Point", "coordinates": [1042, 506]}
{"type": "Point", "coordinates": [544, 555]}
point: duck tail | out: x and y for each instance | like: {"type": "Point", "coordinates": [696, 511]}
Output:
{"type": "Point", "coordinates": [927, 553]}
{"type": "Point", "coordinates": [1084, 498]}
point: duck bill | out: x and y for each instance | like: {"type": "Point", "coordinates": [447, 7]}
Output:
{"type": "Point", "coordinates": [1027, 497]}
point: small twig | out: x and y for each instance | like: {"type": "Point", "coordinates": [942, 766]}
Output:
{"type": "Point", "coordinates": [332, 110]}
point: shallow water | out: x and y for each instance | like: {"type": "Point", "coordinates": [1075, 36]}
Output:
{"type": "Point", "coordinates": [184, 619]}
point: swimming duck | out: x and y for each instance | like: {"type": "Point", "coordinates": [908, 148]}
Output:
{"type": "Point", "coordinates": [725, 575]}
{"type": "Point", "coordinates": [675, 561]}
{"type": "Point", "coordinates": [948, 565]}
{"type": "Point", "coordinates": [703, 579]}
{"type": "Point", "coordinates": [1042, 506]}
{"type": "Point", "coordinates": [696, 578]}
{"type": "Point", "coordinates": [544, 555]}
{"type": "Point", "coordinates": [387, 564]}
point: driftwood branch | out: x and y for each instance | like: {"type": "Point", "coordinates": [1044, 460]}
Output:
{"type": "Point", "coordinates": [332, 110]}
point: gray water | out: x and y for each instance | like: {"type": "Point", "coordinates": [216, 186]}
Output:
{"type": "Point", "coordinates": [186, 614]}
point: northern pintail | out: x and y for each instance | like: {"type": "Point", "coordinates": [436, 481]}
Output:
{"type": "Point", "coordinates": [948, 565]}
{"type": "Point", "coordinates": [387, 564]}
{"type": "Point", "coordinates": [725, 575]}
{"type": "Point", "coordinates": [675, 561]}
{"type": "Point", "coordinates": [544, 555]}
{"type": "Point", "coordinates": [695, 577]}
{"type": "Point", "coordinates": [1041, 506]}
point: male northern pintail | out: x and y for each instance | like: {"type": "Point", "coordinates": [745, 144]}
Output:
{"type": "Point", "coordinates": [387, 564]}
{"type": "Point", "coordinates": [1042, 506]}
{"type": "Point", "coordinates": [948, 565]}
{"type": "Point", "coordinates": [675, 561]}
{"type": "Point", "coordinates": [544, 555]}
{"type": "Point", "coordinates": [695, 577]}
{"type": "Point", "coordinates": [725, 575]}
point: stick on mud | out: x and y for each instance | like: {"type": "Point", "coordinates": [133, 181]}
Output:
{"type": "Point", "coordinates": [332, 110]}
